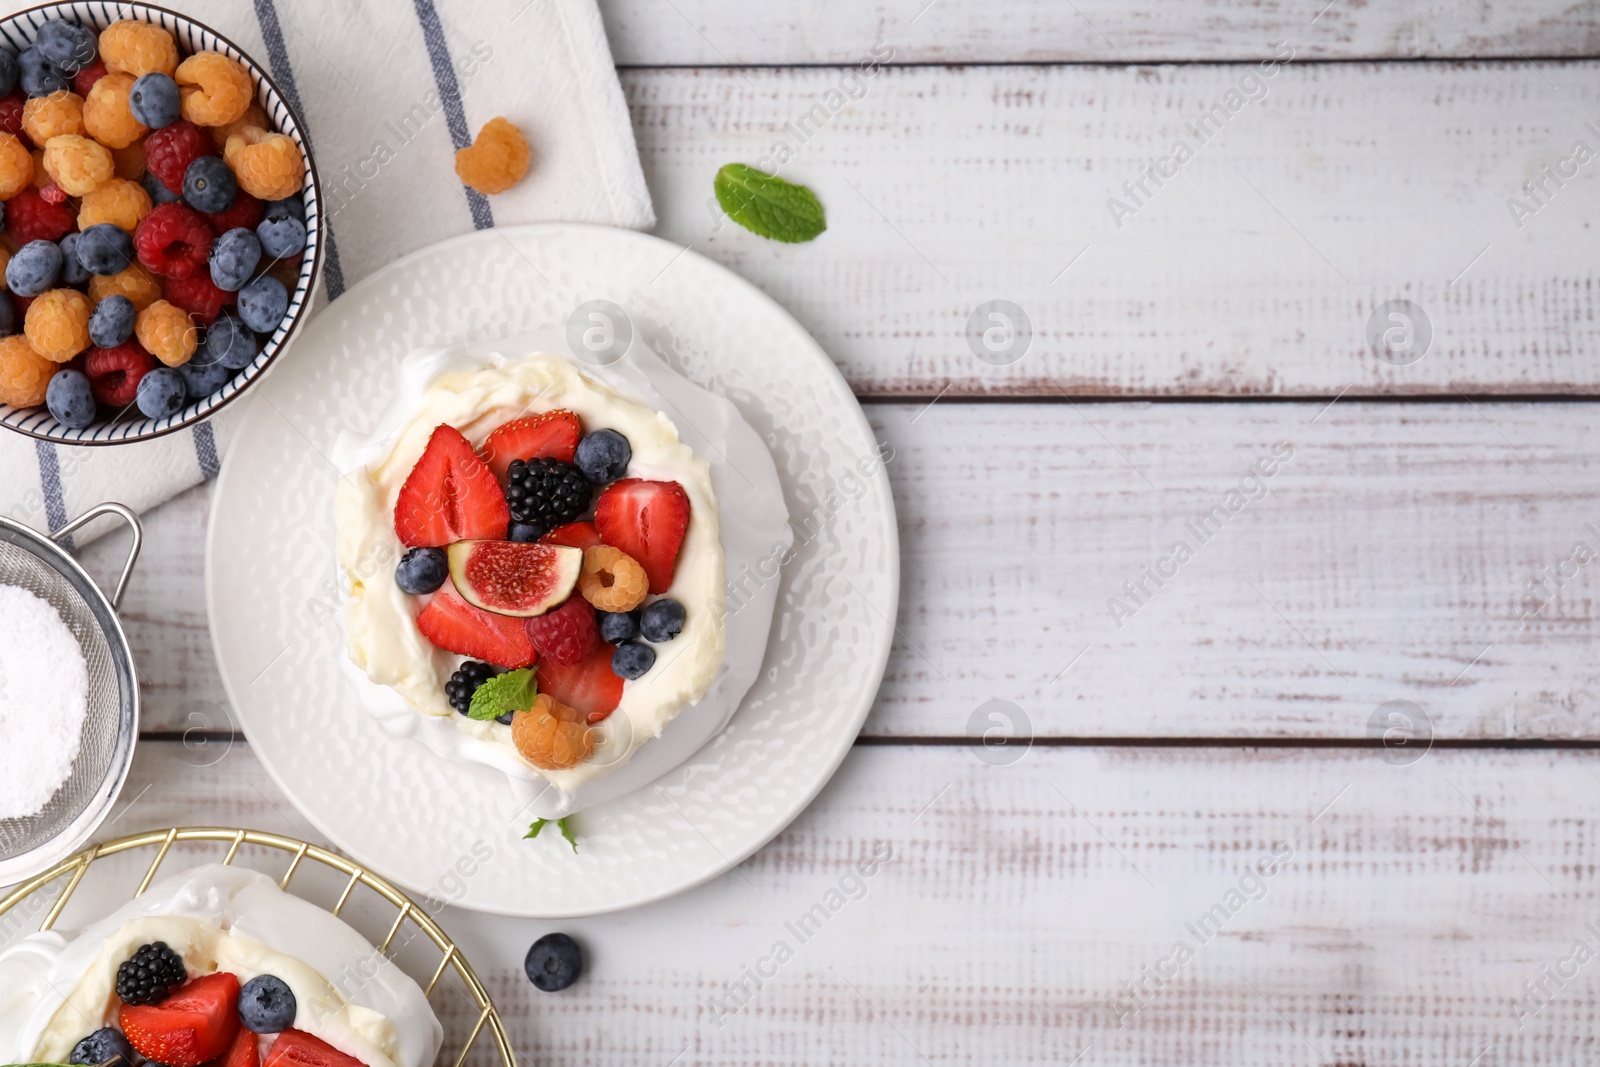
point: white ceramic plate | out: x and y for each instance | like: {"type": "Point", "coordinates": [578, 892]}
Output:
{"type": "Point", "coordinates": [454, 832]}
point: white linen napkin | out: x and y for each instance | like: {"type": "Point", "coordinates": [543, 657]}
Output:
{"type": "Point", "coordinates": [387, 90]}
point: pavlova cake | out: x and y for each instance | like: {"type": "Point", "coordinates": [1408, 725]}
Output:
{"type": "Point", "coordinates": [216, 966]}
{"type": "Point", "coordinates": [540, 564]}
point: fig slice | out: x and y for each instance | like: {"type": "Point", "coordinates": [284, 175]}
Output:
{"type": "Point", "coordinates": [512, 578]}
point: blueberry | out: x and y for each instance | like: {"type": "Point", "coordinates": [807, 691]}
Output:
{"type": "Point", "coordinates": [505, 720]}
{"type": "Point", "coordinates": [66, 44]}
{"type": "Point", "coordinates": [161, 393]}
{"type": "Point", "coordinates": [72, 272]}
{"type": "Point", "coordinates": [422, 570]}
{"type": "Point", "coordinates": [106, 1046]}
{"type": "Point", "coordinates": [632, 660]}
{"type": "Point", "coordinates": [282, 238]}
{"type": "Point", "coordinates": [525, 532]}
{"type": "Point", "coordinates": [234, 256]}
{"type": "Point", "coordinates": [159, 194]}
{"type": "Point", "coordinates": [154, 100]}
{"type": "Point", "coordinates": [70, 399]}
{"type": "Point", "coordinates": [263, 303]}
{"type": "Point", "coordinates": [603, 456]}
{"type": "Point", "coordinates": [34, 268]}
{"type": "Point", "coordinates": [8, 317]}
{"type": "Point", "coordinates": [38, 75]}
{"type": "Point", "coordinates": [104, 248]}
{"type": "Point", "coordinates": [618, 626]}
{"type": "Point", "coordinates": [203, 375]}
{"type": "Point", "coordinates": [554, 962]}
{"type": "Point", "coordinates": [111, 323]}
{"type": "Point", "coordinates": [267, 1005]}
{"type": "Point", "coordinates": [662, 620]}
{"type": "Point", "coordinates": [209, 185]}
{"type": "Point", "coordinates": [290, 207]}
{"type": "Point", "coordinates": [228, 343]}
{"type": "Point", "coordinates": [8, 72]}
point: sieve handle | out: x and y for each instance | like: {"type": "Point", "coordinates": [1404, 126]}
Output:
{"type": "Point", "coordinates": [127, 516]}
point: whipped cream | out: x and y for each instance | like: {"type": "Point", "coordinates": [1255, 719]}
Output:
{"type": "Point", "coordinates": [56, 989]}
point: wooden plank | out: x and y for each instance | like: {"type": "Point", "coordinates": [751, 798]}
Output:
{"type": "Point", "coordinates": [1388, 560]}
{"type": "Point", "coordinates": [1405, 909]}
{"type": "Point", "coordinates": [1255, 268]}
{"type": "Point", "coordinates": [721, 32]}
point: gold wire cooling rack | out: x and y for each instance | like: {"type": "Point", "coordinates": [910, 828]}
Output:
{"type": "Point", "coordinates": [78, 865]}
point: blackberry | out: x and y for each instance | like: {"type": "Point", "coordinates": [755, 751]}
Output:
{"type": "Point", "coordinates": [465, 682]}
{"type": "Point", "coordinates": [547, 492]}
{"type": "Point", "coordinates": [153, 972]}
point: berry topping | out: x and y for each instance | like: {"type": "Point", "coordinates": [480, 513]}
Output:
{"type": "Point", "coordinates": [546, 492]}
{"type": "Point", "coordinates": [612, 580]}
{"type": "Point", "coordinates": [603, 456]}
{"type": "Point", "coordinates": [209, 185]}
{"type": "Point", "coordinates": [150, 974]}
{"type": "Point", "coordinates": [552, 735]}
{"type": "Point", "coordinates": [105, 1046]}
{"type": "Point", "coordinates": [497, 160]}
{"type": "Point", "coordinates": [574, 535]}
{"type": "Point", "coordinates": [647, 520]}
{"type": "Point", "coordinates": [617, 626]}
{"type": "Point", "coordinates": [169, 151]}
{"type": "Point", "coordinates": [465, 681]}
{"type": "Point", "coordinates": [661, 620]}
{"type": "Point", "coordinates": [551, 435]}
{"type": "Point", "coordinates": [452, 624]}
{"type": "Point", "coordinates": [632, 660]}
{"type": "Point", "coordinates": [161, 393]}
{"type": "Point", "coordinates": [199, 296]}
{"type": "Point", "coordinates": [173, 240]}
{"type": "Point", "coordinates": [554, 962]}
{"type": "Point", "coordinates": [70, 399]}
{"type": "Point", "coordinates": [30, 217]}
{"type": "Point", "coordinates": [154, 100]}
{"type": "Point", "coordinates": [295, 1048]}
{"type": "Point", "coordinates": [511, 578]}
{"type": "Point", "coordinates": [263, 303]}
{"type": "Point", "coordinates": [566, 635]}
{"type": "Point", "coordinates": [195, 1024]}
{"type": "Point", "coordinates": [449, 496]}
{"type": "Point", "coordinates": [591, 688]}
{"type": "Point", "coordinates": [267, 1005]}
{"type": "Point", "coordinates": [105, 249]}
{"type": "Point", "coordinates": [115, 372]}
{"type": "Point", "coordinates": [422, 571]}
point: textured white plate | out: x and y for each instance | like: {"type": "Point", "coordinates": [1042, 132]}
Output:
{"type": "Point", "coordinates": [454, 832]}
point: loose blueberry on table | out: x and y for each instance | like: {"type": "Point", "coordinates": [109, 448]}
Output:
{"type": "Point", "coordinates": [553, 963]}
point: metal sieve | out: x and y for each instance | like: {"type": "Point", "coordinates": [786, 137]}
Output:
{"type": "Point", "coordinates": [39, 564]}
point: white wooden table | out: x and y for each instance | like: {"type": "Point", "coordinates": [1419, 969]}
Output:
{"type": "Point", "coordinates": [1099, 900]}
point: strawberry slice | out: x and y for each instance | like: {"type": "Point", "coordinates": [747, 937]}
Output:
{"type": "Point", "coordinates": [456, 626]}
{"type": "Point", "coordinates": [646, 520]}
{"type": "Point", "coordinates": [196, 1024]}
{"type": "Point", "coordinates": [574, 535]}
{"type": "Point", "coordinates": [450, 495]}
{"type": "Point", "coordinates": [296, 1048]}
{"type": "Point", "coordinates": [245, 1050]}
{"type": "Point", "coordinates": [590, 688]}
{"type": "Point", "coordinates": [553, 434]}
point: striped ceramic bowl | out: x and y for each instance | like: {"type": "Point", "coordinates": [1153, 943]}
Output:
{"type": "Point", "coordinates": [16, 33]}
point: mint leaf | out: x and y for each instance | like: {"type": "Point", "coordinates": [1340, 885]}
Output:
{"type": "Point", "coordinates": [533, 831]}
{"type": "Point", "coordinates": [564, 825]}
{"type": "Point", "coordinates": [767, 205]}
{"type": "Point", "coordinates": [503, 694]}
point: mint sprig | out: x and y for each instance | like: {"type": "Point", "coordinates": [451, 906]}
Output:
{"type": "Point", "coordinates": [767, 205]}
{"type": "Point", "coordinates": [503, 694]}
{"type": "Point", "coordinates": [564, 825]}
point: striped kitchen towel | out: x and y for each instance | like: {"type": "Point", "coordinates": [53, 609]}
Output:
{"type": "Point", "coordinates": [387, 90]}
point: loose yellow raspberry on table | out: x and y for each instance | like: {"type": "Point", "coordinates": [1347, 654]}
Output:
{"type": "Point", "coordinates": [106, 114]}
{"type": "Point", "coordinates": [57, 324]}
{"type": "Point", "coordinates": [16, 166]}
{"type": "Point", "coordinates": [134, 47]}
{"type": "Point", "coordinates": [119, 201]}
{"type": "Point", "coordinates": [136, 283]}
{"type": "Point", "coordinates": [78, 165]}
{"type": "Point", "coordinates": [253, 116]}
{"type": "Point", "coordinates": [167, 332]}
{"type": "Point", "coordinates": [497, 160]}
{"type": "Point", "coordinates": [269, 166]}
{"type": "Point", "coordinates": [55, 115]}
{"type": "Point", "coordinates": [216, 90]}
{"type": "Point", "coordinates": [130, 161]}
{"type": "Point", "coordinates": [24, 373]}
{"type": "Point", "coordinates": [612, 580]}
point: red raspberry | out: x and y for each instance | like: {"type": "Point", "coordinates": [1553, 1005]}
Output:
{"type": "Point", "coordinates": [246, 211]}
{"type": "Point", "coordinates": [199, 296]}
{"type": "Point", "coordinates": [84, 80]}
{"type": "Point", "coordinates": [51, 193]}
{"type": "Point", "coordinates": [567, 634]}
{"type": "Point", "coordinates": [173, 240]}
{"type": "Point", "coordinates": [169, 151]}
{"type": "Point", "coordinates": [11, 106]}
{"type": "Point", "coordinates": [114, 373]}
{"type": "Point", "coordinates": [30, 217]}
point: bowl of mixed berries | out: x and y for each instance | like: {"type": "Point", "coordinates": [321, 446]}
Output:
{"type": "Point", "coordinates": [159, 226]}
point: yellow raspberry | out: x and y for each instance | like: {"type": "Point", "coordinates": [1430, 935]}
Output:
{"type": "Point", "coordinates": [55, 115]}
{"type": "Point", "coordinates": [269, 166]}
{"type": "Point", "coordinates": [118, 201]}
{"type": "Point", "coordinates": [40, 178]}
{"type": "Point", "coordinates": [552, 735]}
{"type": "Point", "coordinates": [5, 259]}
{"type": "Point", "coordinates": [130, 161]}
{"type": "Point", "coordinates": [136, 283]}
{"type": "Point", "coordinates": [612, 580]}
{"type": "Point", "coordinates": [166, 331]}
{"type": "Point", "coordinates": [216, 90]}
{"type": "Point", "coordinates": [106, 114]}
{"type": "Point", "coordinates": [134, 47]}
{"type": "Point", "coordinates": [57, 324]}
{"type": "Point", "coordinates": [16, 166]}
{"type": "Point", "coordinates": [24, 373]}
{"type": "Point", "coordinates": [78, 165]}
{"type": "Point", "coordinates": [497, 160]}
{"type": "Point", "coordinates": [253, 116]}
